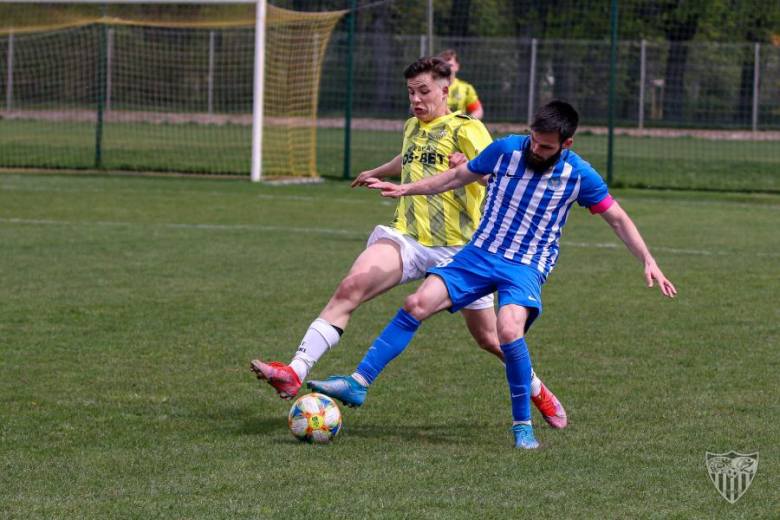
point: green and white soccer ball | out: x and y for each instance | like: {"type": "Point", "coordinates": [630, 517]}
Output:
{"type": "Point", "coordinates": [315, 418]}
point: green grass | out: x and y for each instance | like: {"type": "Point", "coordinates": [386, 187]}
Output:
{"type": "Point", "coordinates": [131, 307]}
{"type": "Point", "coordinates": [686, 163]}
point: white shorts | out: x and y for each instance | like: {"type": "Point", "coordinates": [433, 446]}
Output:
{"type": "Point", "coordinates": [417, 259]}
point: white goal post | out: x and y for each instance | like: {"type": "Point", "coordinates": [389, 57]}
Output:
{"type": "Point", "coordinates": [258, 93]}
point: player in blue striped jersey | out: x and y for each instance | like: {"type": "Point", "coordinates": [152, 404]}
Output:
{"type": "Point", "coordinates": [534, 182]}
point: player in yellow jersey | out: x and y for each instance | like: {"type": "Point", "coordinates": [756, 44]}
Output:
{"type": "Point", "coordinates": [424, 232]}
{"type": "Point", "coordinates": [462, 96]}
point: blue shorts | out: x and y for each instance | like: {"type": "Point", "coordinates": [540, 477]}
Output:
{"type": "Point", "coordinates": [473, 273]}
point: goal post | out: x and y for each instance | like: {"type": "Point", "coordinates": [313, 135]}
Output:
{"type": "Point", "coordinates": [199, 86]}
{"type": "Point", "coordinates": [257, 96]}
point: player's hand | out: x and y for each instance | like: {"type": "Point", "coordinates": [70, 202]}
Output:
{"type": "Point", "coordinates": [456, 159]}
{"type": "Point", "coordinates": [652, 272]}
{"type": "Point", "coordinates": [388, 188]}
{"type": "Point", "coordinates": [362, 178]}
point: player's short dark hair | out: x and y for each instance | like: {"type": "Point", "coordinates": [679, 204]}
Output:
{"type": "Point", "coordinates": [448, 54]}
{"type": "Point", "coordinates": [437, 67]}
{"type": "Point", "coordinates": [556, 116]}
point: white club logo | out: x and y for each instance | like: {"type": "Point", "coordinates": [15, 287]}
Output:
{"type": "Point", "coordinates": [555, 183]}
{"type": "Point", "coordinates": [732, 473]}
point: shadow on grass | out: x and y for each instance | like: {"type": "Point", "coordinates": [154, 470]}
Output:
{"type": "Point", "coordinates": [262, 425]}
{"type": "Point", "coordinates": [417, 434]}
{"type": "Point", "coordinates": [463, 433]}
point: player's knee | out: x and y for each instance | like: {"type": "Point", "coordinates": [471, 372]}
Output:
{"type": "Point", "coordinates": [507, 333]}
{"type": "Point", "coordinates": [415, 305]}
{"type": "Point", "coordinates": [351, 289]}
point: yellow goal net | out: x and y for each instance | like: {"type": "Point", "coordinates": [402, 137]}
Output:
{"type": "Point", "coordinates": [158, 87]}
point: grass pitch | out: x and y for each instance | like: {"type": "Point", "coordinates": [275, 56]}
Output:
{"type": "Point", "coordinates": [131, 307]}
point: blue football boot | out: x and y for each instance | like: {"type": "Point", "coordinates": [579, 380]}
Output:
{"type": "Point", "coordinates": [524, 437]}
{"type": "Point", "coordinates": [343, 388]}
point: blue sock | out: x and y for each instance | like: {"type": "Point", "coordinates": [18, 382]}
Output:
{"type": "Point", "coordinates": [518, 375]}
{"type": "Point", "coordinates": [388, 345]}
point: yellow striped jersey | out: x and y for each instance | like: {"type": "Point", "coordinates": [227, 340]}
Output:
{"type": "Point", "coordinates": [462, 95]}
{"type": "Point", "coordinates": [450, 218]}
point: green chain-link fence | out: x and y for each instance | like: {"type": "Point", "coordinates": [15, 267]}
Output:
{"type": "Point", "coordinates": [697, 89]}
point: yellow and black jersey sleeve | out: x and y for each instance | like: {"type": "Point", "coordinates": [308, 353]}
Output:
{"type": "Point", "coordinates": [472, 137]}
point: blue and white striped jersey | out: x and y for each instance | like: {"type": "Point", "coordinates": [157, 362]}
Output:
{"type": "Point", "coordinates": [525, 211]}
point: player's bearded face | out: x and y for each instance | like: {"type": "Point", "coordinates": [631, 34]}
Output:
{"type": "Point", "coordinates": [543, 151]}
{"type": "Point", "coordinates": [427, 97]}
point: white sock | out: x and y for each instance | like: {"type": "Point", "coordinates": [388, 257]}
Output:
{"type": "Point", "coordinates": [521, 422]}
{"type": "Point", "coordinates": [319, 338]}
{"type": "Point", "coordinates": [536, 384]}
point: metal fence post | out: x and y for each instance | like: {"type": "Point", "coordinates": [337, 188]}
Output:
{"type": "Point", "coordinates": [101, 92]}
{"type": "Point", "coordinates": [109, 62]}
{"type": "Point", "coordinates": [9, 80]}
{"type": "Point", "coordinates": [642, 81]}
{"type": "Point", "coordinates": [532, 81]}
{"type": "Point", "coordinates": [211, 72]}
{"type": "Point", "coordinates": [348, 107]}
{"type": "Point", "coordinates": [756, 84]}
{"type": "Point", "coordinates": [430, 27]}
{"type": "Point", "coordinates": [612, 89]}
{"type": "Point", "coordinates": [422, 45]}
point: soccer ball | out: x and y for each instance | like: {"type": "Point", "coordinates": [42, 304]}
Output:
{"type": "Point", "coordinates": [315, 418]}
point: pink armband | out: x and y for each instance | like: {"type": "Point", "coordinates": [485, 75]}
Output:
{"type": "Point", "coordinates": [602, 206]}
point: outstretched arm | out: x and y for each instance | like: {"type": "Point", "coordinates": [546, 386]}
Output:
{"type": "Point", "coordinates": [458, 158]}
{"type": "Point", "coordinates": [449, 180]}
{"type": "Point", "coordinates": [625, 229]}
{"type": "Point", "coordinates": [389, 169]}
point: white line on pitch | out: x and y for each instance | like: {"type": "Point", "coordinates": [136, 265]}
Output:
{"type": "Point", "coordinates": [124, 191]}
{"type": "Point", "coordinates": [229, 227]}
{"type": "Point", "coordinates": [704, 252]}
